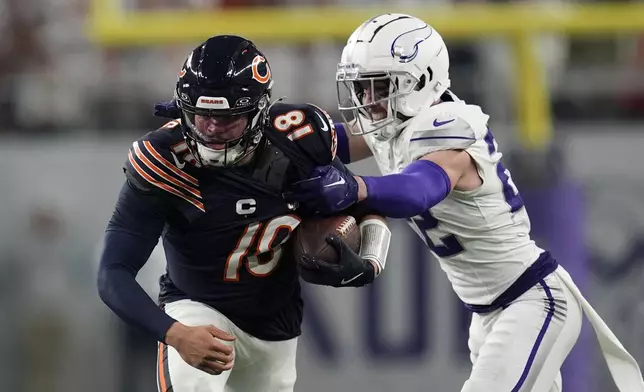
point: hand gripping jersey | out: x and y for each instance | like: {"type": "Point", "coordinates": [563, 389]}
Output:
{"type": "Point", "coordinates": [226, 229]}
{"type": "Point", "coordinates": [481, 237]}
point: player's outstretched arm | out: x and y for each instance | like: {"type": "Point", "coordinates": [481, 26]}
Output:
{"type": "Point", "coordinates": [420, 186]}
{"type": "Point", "coordinates": [130, 237]}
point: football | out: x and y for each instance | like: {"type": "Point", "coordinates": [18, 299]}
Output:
{"type": "Point", "coordinates": [310, 237]}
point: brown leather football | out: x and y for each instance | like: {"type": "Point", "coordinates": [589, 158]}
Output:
{"type": "Point", "coordinates": [311, 234]}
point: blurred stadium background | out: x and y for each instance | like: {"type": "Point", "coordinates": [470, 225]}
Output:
{"type": "Point", "coordinates": [562, 80]}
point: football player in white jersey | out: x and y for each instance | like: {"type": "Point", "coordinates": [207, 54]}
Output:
{"type": "Point", "coordinates": [442, 170]}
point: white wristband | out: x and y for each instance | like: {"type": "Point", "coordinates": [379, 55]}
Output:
{"type": "Point", "coordinates": [375, 237]}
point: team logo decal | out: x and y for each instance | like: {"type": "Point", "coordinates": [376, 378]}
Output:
{"type": "Point", "coordinates": [259, 63]}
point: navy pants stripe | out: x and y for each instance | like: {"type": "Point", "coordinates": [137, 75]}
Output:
{"type": "Point", "coordinates": [542, 333]}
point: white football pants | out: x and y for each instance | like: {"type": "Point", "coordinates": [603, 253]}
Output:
{"type": "Point", "coordinates": [521, 348]}
{"type": "Point", "coordinates": [259, 365]}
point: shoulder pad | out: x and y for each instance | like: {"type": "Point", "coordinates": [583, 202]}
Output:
{"type": "Point", "coordinates": [446, 126]}
{"type": "Point", "coordinates": [152, 165]}
{"type": "Point", "coordinates": [304, 130]}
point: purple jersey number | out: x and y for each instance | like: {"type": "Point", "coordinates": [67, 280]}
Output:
{"type": "Point", "coordinates": [443, 246]}
{"type": "Point", "coordinates": [449, 245]}
{"type": "Point", "coordinates": [510, 191]}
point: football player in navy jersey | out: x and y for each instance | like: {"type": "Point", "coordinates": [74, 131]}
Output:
{"type": "Point", "coordinates": [211, 183]}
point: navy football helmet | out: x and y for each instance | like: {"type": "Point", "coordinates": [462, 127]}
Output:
{"type": "Point", "coordinates": [223, 91]}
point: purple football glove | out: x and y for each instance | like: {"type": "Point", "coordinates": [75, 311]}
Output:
{"type": "Point", "coordinates": [327, 191]}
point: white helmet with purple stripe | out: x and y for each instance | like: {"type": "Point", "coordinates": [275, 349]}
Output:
{"type": "Point", "coordinates": [392, 67]}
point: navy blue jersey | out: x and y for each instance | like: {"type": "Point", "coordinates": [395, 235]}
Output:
{"type": "Point", "coordinates": [225, 230]}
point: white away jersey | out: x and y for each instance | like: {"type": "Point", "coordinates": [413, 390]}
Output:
{"type": "Point", "coordinates": [481, 237]}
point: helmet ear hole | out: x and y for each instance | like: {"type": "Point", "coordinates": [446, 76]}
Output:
{"type": "Point", "coordinates": [421, 83]}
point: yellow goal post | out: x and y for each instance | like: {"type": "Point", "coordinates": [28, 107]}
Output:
{"type": "Point", "coordinates": [518, 23]}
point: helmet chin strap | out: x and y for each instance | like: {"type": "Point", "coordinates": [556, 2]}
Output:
{"type": "Point", "coordinates": [390, 131]}
{"type": "Point", "coordinates": [218, 158]}
{"type": "Point", "coordinates": [270, 105]}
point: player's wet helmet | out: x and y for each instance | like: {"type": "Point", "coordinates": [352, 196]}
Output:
{"type": "Point", "coordinates": [223, 92]}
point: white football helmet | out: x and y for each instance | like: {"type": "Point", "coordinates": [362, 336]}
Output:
{"type": "Point", "coordinates": [392, 67]}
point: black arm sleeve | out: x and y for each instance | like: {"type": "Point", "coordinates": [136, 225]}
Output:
{"type": "Point", "coordinates": [130, 237]}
